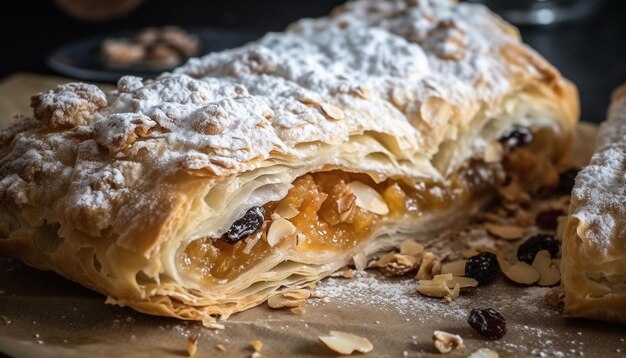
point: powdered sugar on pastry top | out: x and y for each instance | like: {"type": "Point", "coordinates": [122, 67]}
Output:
{"type": "Point", "coordinates": [413, 72]}
{"type": "Point", "coordinates": [599, 196]}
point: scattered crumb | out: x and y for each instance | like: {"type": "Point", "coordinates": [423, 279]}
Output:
{"type": "Point", "coordinates": [256, 345]}
{"type": "Point", "coordinates": [255, 355]}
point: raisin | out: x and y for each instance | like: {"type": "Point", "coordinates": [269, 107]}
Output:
{"type": "Point", "coordinates": [528, 250]}
{"type": "Point", "coordinates": [488, 322]}
{"type": "Point", "coordinates": [567, 179]}
{"type": "Point", "coordinates": [518, 138]}
{"type": "Point", "coordinates": [250, 222]}
{"type": "Point", "coordinates": [547, 220]}
{"type": "Point", "coordinates": [483, 267]}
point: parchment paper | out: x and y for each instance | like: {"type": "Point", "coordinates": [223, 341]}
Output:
{"type": "Point", "coordinates": [51, 316]}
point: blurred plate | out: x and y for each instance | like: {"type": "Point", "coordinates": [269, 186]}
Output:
{"type": "Point", "coordinates": [81, 59]}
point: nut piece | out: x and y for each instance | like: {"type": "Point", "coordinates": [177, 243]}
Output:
{"type": "Point", "coordinates": [297, 294]}
{"type": "Point", "coordinates": [507, 232]}
{"type": "Point", "coordinates": [220, 347]}
{"type": "Point", "coordinates": [522, 273]}
{"type": "Point", "coordinates": [331, 111]}
{"type": "Point", "coordinates": [346, 343]}
{"type": "Point", "coordinates": [444, 285]}
{"type": "Point", "coordinates": [446, 342]}
{"type": "Point", "coordinates": [493, 152]}
{"type": "Point", "coordinates": [286, 211]}
{"type": "Point", "coordinates": [281, 300]}
{"type": "Point", "coordinates": [192, 345]}
{"type": "Point", "coordinates": [360, 261]}
{"type": "Point", "coordinates": [549, 274]}
{"type": "Point", "coordinates": [256, 345]}
{"type": "Point", "coordinates": [298, 311]}
{"type": "Point", "coordinates": [363, 92]}
{"type": "Point", "coordinates": [345, 204]}
{"type": "Point", "coordinates": [411, 248]}
{"type": "Point", "coordinates": [462, 282]}
{"type": "Point", "coordinates": [5, 319]}
{"type": "Point", "coordinates": [279, 229]}
{"type": "Point", "coordinates": [368, 198]}
{"type": "Point", "coordinates": [484, 353]}
{"type": "Point", "coordinates": [457, 268]}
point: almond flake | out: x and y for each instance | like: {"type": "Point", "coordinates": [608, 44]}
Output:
{"type": "Point", "coordinates": [522, 273]}
{"type": "Point", "coordinates": [363, 92]}
{"type": "Point", "coordinates": [360, 261]}
{"type": "Point", "coordinates": [280, 301]}
{"type": "Point", "coordinates": [484, 353]}
{"type": "Point", "coordinates": [192, 345]}
{"type": "Point", "coordinates": [286, 211]}
{"type": "Point", "coordinates": [345, 204]}
{"type": "Point", "coordinates": [220, 347]}
{"type": "Point", "coordinates": [332, 111]}
{"type": "Point", "coordinates": [462, 282]}
{"type": "Point", "coordinates": [457, 268]}
{"type": "Point", "coordinates": [368, 198]}
{"type": "Point", "coordinates": [309, 101]}
{"type": "Point", "coordinates": [279, 229]}
{"type": "Point", "coordinates": [255, 355]}
{"type": "Point", "coordinates": [425, 271]}
{"type": "Point", "coordinates": [385, 259]}
{"type": "Point", "coordinates": [493, 152]}
{"type": "Point", "coordinates": [256, 345]}
{"type": "Point", "coordinates": [411, 248]}
{"type": "Point", "coordinates": [298, 311]}
{"type": "Point", "coordinates": [549, 274]}
{"type": "Point", "coordinates": [507, 232]}
{"type": "Point", "coordinates": [446, 342]}
{"type": "Point", "coordinates": [300, 237]}
{"type": "Point", "coordinates": [346, 343]}
{"type": "Point", "coordinates": [297, 294]}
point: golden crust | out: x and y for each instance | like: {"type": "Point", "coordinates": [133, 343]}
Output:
{"type": "Point", "coordinates": [107, 194]}
{"type": "Point", "coordinates": [594, 239]}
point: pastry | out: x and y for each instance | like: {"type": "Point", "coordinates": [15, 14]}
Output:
{"type": "Point", "coordinates": [265, 168]}
{"type": "Point", "coordinates": [594, 238]}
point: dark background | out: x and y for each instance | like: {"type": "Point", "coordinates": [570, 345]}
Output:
{"type": "Point", "coordinates": [592, 52]}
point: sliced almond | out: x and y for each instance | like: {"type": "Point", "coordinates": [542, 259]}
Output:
{"type": "Point", "coordinates": [255, 355]}
{"type": "Point", "coordinates": [279, 229]}
{"type": "Point", "coordinates": [300, 237]}
{"type": "Point", "coordinates": [309, 101]}
{"type": "Point", "coordinates": [286, 211]}
{"type": "Point", "coordinates": [411, 248]}
{"type": "Point", "coordinates": [425, 272]}
{"type": "Point", "coordinates": [522, 273]}
{"type": "Point", "coordinates": [280, 301]}
{"type": "Point", "coordinates": [385, 259]}
{"type": "Point", "coordinates": [426, 288]}
{"type": "Point", "coordinates": [457, 268]}
{"type": "Point", "coordinates": [360, 261]}
{"type": "Point", "coordinates": [507, 232]}
{"type": "Point", "coordinates": [367, 198]}
{"type": "Point", "coordinates": [297, 294]}
{"type": "Point", "coordinates": [332, 111]}
{"type": "Point", "coordinates": [467, 253]}
{"type": "Point", "coordinates": [220, 347]}
{"type": "Point", "coordinates": [446, 342]}
{"type": "Point", "coordinates": [192, 345]}
{"type": "Point", "coordinates": [502, 262]}
{"type": "Point", "coordinates": [298, 311]}
{"type": "Point", "coordinates": [549, 274]}
{"type": "Point", "coordinates": [257, 345]}
{"type": "Point", "coordinates": [462, 282]}
{"type": "Point", "coordinates": [443, 278]}
{"type": "Point", "coordinates": [493, 152]}
{"type": "Point", "coordinates": [363, 92]}
{"type": "Point", "coordinates": [484, 353]}
{"type": "Point", "coordinates": [345, 204]}
{"type": "Point", "coordinates": [346, 343]}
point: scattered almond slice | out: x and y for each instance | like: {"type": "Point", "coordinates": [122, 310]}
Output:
{"type": "Point", "coordinates": [507, 232]}
{"type": "Point", "coordinates": [502, 262]}
{"type": "Point", "coordinates": [309, 101]}
{"type": "Point", "coordinates": [363, 92]}
{"type": "Point", "coordinates": [444, 285]}
{"type": "Point", "coordinates": [411, 248]}
{"type": "Point", "coordinates": [345, 205]}
{"type": "Point", "coordinates": [456, 268]}
{"type": "Point", "coordinates": [346, 343]}
{"type": "Point", "coordinates": [286, 211]}
{"type": "Point", "coordinates": [192, 345]}
{"type": "Point", "coordinates": [220, 347]}
{"type": "Point", "coordinates": [299, 294]}
{"type": "Point", "coordinates": [255, 355]}
{"type": "Point", "coordinates": [257, 345]}
{"type": "Point", "coordinates": [549, 274]}
{"type": "Point", "coordinates": [522, 273]}
{"type": "Point", "coordinates": [484, 353]}
{"type": "Point", "coordinates": [463, 282]}
{"type": "Point", "coordinates": [425, 271]}
{"type": "Point", "coordinates": [280, 301]}
{"type": "Point", "coordinates": [367, 198]}
{"type": "Point", "coordinates": [385, 259]}
{"type": "Point", "coordinates": [298, 311]}
{"type": "Point", "coordinates": [300, 237]}
{"type": "Point", "coordinates": [493, 152]}
{"type": "Point", "coordinates": [360, 261]}
{"type": "Point", "coordinates": [446, 342]}
{"type": "Point", "coordinates": [279, 229]}
{"type": "Point", "coordinates": [332, 111]}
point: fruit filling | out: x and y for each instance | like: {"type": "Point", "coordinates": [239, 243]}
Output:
{"type": "Point", "coordinates": [334, 211]}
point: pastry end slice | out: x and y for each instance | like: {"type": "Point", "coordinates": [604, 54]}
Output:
{"type": "Point", "coordinates": [594, 239]}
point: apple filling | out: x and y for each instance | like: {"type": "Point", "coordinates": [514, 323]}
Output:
{"type": "Point", "coordinates": [334, 211]}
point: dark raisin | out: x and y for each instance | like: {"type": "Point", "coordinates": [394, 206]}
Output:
{"type": "Point", "coordinates": [567, 180]}
{"type": "Point", "coordinates": [528, 250]}
{"type": "Point", "coordinates": [483, 267]}
{"type": "Point", "coordinates": [250, 222]}
{"type": "Point", "coordinates": [547, 220]}
{"type": "Point", "coordinates": [488, 322]}
{"type": "Point", "coordinates": [518, 138]}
